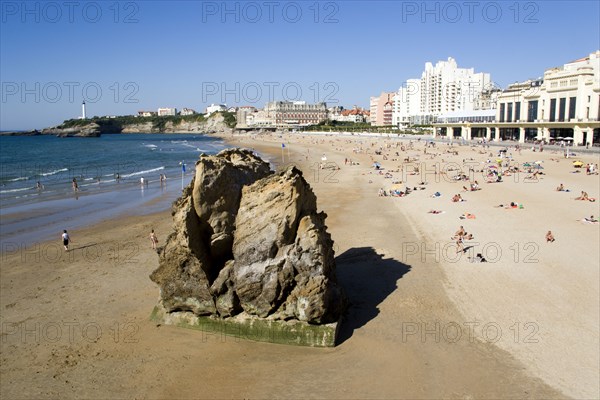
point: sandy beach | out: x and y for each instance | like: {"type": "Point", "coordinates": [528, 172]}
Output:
{"type": "Point", "coordinates": [424, 321]}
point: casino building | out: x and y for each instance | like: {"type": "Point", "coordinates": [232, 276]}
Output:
{"type": "Point", "coordinates": [563, 105]}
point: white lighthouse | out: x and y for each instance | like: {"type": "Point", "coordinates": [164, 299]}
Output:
{"type": "Point", "coordinates": [83, 110]}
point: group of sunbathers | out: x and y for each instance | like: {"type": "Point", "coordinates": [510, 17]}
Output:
{"type": "Point", "coordinates": [457, 198]}
{"type": "Point", "coordinates": [472, 187]}
{"type": "Point", "coordinates": [511, 205]}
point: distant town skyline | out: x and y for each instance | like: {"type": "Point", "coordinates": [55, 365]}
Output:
{"type": "Point", "coordinates": [129, 56]}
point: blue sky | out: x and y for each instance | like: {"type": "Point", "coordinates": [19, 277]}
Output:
{"type": "Point", "coordinates": [135, 55]}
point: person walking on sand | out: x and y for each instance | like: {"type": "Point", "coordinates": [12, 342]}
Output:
{"type": "Point", "coordinates": [153, 240]}
{"type": "Point", "coordinates": [459, 244]}
{"type": "Point", "coordinates": [75, 185]}
{"type": "Point", "coordinates": [459, 237]}
{"type": "Point", "coordinates": [550, 237]}
{"type": "Point", "coordinates": [66, 239]}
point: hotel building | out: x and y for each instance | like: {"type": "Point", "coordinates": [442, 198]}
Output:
{"type": "Point", "coordinates": [295, 113]}
{"type": "Point", "coordinates": [443, 88]}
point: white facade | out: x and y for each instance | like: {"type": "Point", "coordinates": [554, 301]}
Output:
{"type": "Point", "coordinates": [467, 116]}
{"type": "Point", "coordinates": [166, 111]}
{"type": "Point", "coordinates": [356, 115]}
{"type": "Point", "coordinates": [442, 89]}
{"type": "Point", "coordinates": [576, 83]}
{"type": "Point", "coordinates": [187, 111]}
{"type": "Point", "coordinates": [215, 108]}
{"type": "Point", "coordinates": [407, 102]}
{"type": "Point", "coordinates": [566, 99]}
{"type": "Point", "coordinates": [570, 93]}
{"type": "Point", "coordinates": [447, 88]}
{"type": "Point", "coordinates": [83, 116]}
{"type": "Point", "coordinates": [373, 105]}
{"type": "Point", "coordinates": [146, 113]}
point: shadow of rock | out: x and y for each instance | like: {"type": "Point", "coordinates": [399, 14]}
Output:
{"type": "Point", "coordinates": [368, 278]}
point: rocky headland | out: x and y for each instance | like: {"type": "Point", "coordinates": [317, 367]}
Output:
{"type": "Point", "coordinates": [215, 123]}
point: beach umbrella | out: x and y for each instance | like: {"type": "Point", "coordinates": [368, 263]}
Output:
{"type": "Point", "coordinates": [568, 138]}
{"type": "Point", "coordinates": [559, 138]}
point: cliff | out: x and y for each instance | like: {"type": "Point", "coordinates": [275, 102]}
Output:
{"type": "Point", "coordinates": [216, 123]}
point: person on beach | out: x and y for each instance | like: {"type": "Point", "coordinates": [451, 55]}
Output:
{"type": "Point", "coordinates": [66, 239]}
{"type": "Point", "coordinates": [39, 186]}
{"type": "Point", "coordinates": [560, 188]}
{"type": "Point", "coordinates": [457, 198]}
{"type": "Point", "coordinates": [153, 240]}
{"type": "Point", "coordinates": [549, 237]}
{"type": "Point", "coordinates": [459, 245]}
{"type": "Point", "coordinates": [75, 185]}
{"type": "Point", "coordinates": [584, 196]}
{"type": "Point", "coordinates": [460, 232]}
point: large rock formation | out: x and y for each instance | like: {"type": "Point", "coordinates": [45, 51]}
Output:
{"type": "Point", "coordinates": [89, 130]}
{"type": "Point", "coordinates": [249, 241]}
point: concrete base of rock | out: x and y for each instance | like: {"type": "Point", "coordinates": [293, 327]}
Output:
{"type": "Point", "coordinates": [248, 327]}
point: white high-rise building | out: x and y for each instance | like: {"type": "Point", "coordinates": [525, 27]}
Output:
{"type": "Point", "coordinates": [447, 88]}
{"type": "Point", "coordinates": [407, 102]}
{"type": "Point", "coordinates": [442, 89]}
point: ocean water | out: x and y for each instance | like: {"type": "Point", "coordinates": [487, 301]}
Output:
{"type": "Point", "coordinates": [30, 213]}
